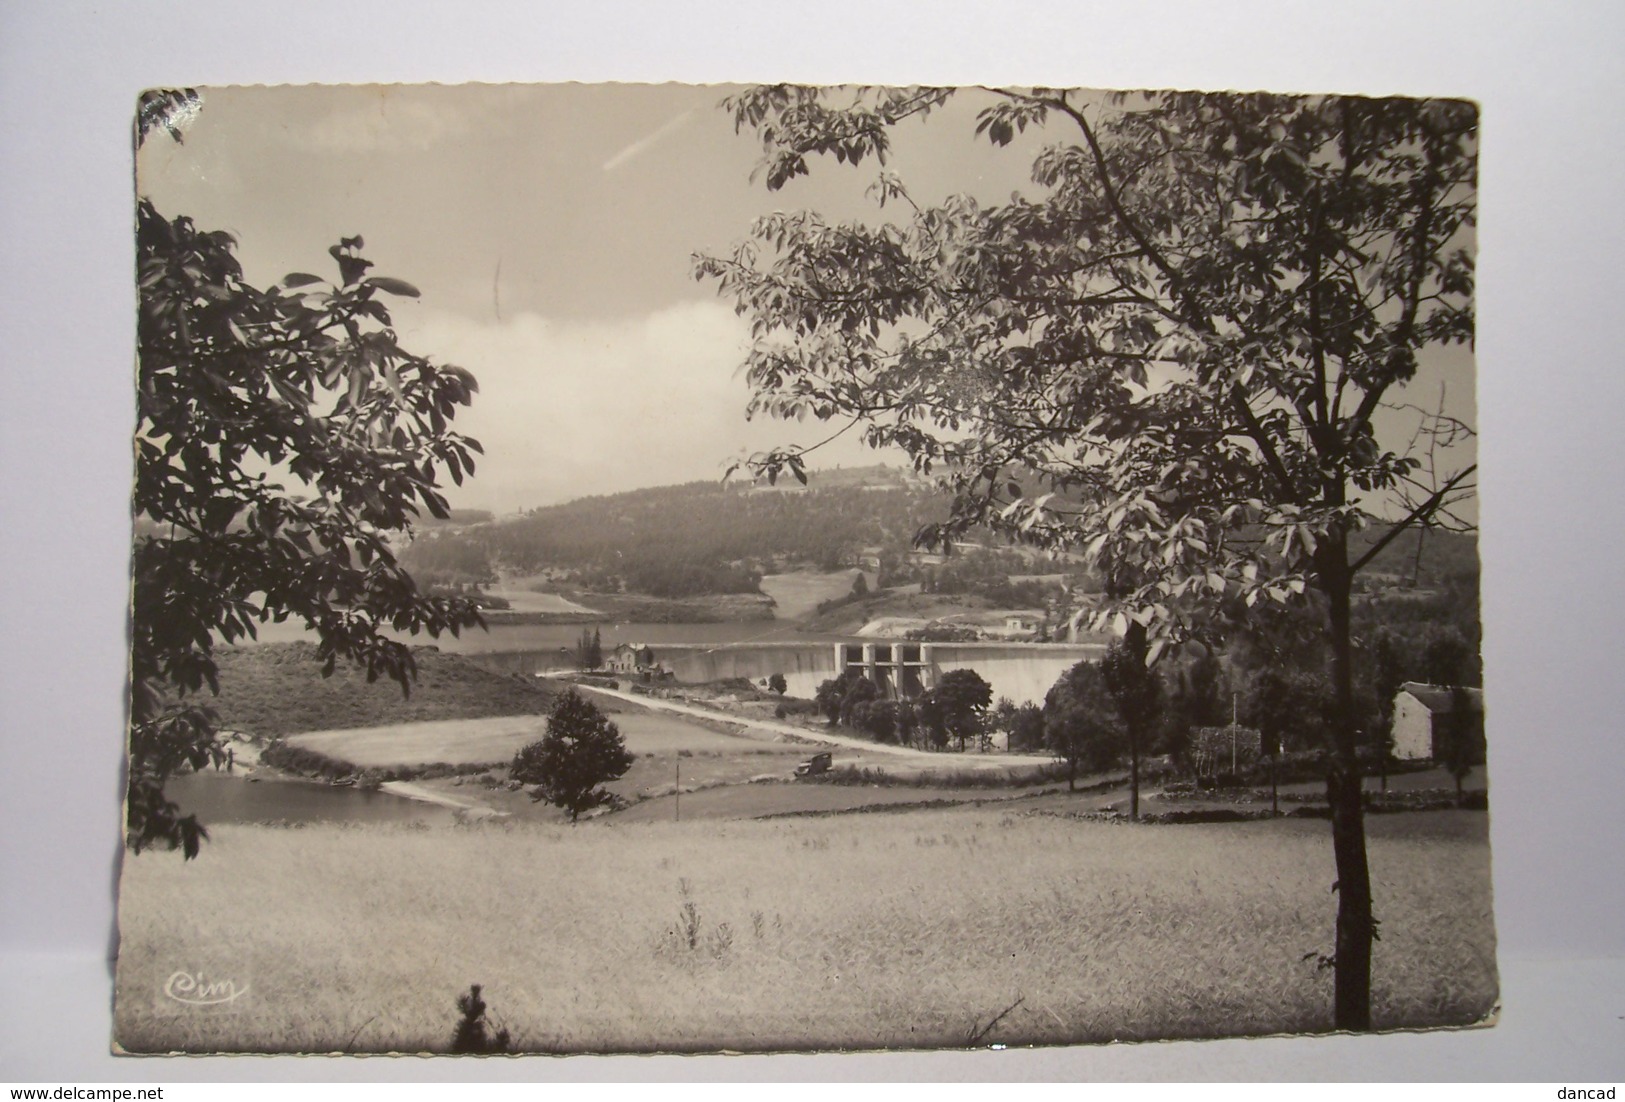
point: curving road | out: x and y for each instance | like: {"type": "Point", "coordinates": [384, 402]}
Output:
{"type": "Point", "coordinates": [935, 758]}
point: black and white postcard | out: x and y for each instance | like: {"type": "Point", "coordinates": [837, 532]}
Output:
{"type": "Point", "coordinates": [669, 568]}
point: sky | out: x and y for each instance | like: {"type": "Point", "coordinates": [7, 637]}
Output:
{"type": "Point", "coordinates": [550, 229]}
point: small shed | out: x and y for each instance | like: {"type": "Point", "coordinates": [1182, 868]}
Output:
{"type": "Point", "coordinates": [1425, 718]}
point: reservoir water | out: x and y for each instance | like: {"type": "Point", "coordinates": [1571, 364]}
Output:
{"type": "Point", "coordinates": [543, 637]}
{"type": "Point", "coordinates": [223, 798]}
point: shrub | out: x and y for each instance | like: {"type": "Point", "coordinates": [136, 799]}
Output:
{"type": "Point", "coordinates": [472, 1036]}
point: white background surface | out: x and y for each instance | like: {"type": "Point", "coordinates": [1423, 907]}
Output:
{"type": "Point", "coordinates": [1550, 81]}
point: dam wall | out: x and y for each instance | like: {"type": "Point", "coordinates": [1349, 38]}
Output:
{"type": "Point", "coordinates": [805, 666]}
{"type": "Point", "coordinates": [526, 663]}
{"type": "Point", "coordinates": [1024, 672]}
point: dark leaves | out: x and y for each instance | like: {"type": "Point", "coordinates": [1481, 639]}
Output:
{"type": "Point", "coordinates": [394, 286]}
{"type": "Point", "coordinates": [234, 380]}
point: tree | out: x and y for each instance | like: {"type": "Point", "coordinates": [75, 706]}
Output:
{"type": "Point", "coordinates": [1283, 702]}
{"type": "Point", "coordinates": [877, 718]}
{"type": "Point", "coordinates": [1387, 673]}
{"type": "Point", "coordinates": [589, 650]}
{"type": "Point", "coordinates": [908, 722]}
{"type": "Point", "coordinates": [963, 696]}
{"type": "Point", "coordinates": [778, 684]}
{"type": "Point", "coordinates": [1173, 352]}
{"type": "Point", "coordinates": [1080, 721]}
{"type": "Point", "coordinates": [933, 718]}
{"type": "Point", "coordinates": [1201, 691]}
{"type": "Point", "coordinates": [581, 751]}
{"type": "Point", "coordinates": [1027, 728]}
{"type": "Point", "coordinates": [1022, 724]}
{"type": "Point", "coordinates": [1002, 716]}
{"type": "Point", "coordinates": [831, 692]}
{"type": "Point", "coordinates": [282, 437]}
{"type": "Point", "coordinates": [1464, 739]}
{"type": "Point", "coordinates": [1449, 659]}
{"type": "Point", "coordinates": [1135, 690]}
{"type": "Point", "coordinates": [859, 691]}
{"type": "Point", "coordinates": [1289, 707]}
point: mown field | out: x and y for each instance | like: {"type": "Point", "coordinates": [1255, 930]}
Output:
{"type": "Point", "coordinates": [498, 738]}
{"type": "Point", "coordinates": [798, 594]}
{"type": "Point", "coordinates": [868, 931]}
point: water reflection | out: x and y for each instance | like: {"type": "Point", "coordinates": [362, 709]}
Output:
{"type": "Point", "coordinates": [225, 798]}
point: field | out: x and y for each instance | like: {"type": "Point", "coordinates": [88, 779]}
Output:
{"type": "Point", "coordinates": [278, 688]}
{"type": "Point", "coordinates": [470, 741]}
{"type": "Point", "coordinates": [798, 594]}
{"type": "Point", "coordinates": [866, 931]}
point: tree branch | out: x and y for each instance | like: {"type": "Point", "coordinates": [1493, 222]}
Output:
{"type": "Point", "coordinates": [1420, 513]}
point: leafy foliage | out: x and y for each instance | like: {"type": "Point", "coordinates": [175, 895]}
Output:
{"type": "Point", "coordinates": [582, 750]}
{"type": "Point", "coordinates": [441, 559]}
{"type": "Point", "coordinates": [709, 537]}
{"type": "Point", "coordinates": [1289, 707]}
{"type": "Point", "coordinates": [1170, 354]}
{"type": "Point", "coordinates": [860, 692]}
{"type": "Point", "coordinates": [963, 697]}
{"type": "Point", "coordinates": [1081, 726]}
{"type": "Point", "coordinates": [1149, 337]}
{"type": "Point", "coordinates": [303, 380]}
{"type": "Point", "coordinates": [1464, 738]}
{"type": "Point", "coordinates": [1022, 724]}
{"type": "Point", "coordinates": [589, 650]}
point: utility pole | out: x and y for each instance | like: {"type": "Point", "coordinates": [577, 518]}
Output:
{"type": "Point", "coordinates": [677, 790]}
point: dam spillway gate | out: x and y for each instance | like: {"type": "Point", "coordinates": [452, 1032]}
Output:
{"type": "Point", "coordinates": [898, 670]}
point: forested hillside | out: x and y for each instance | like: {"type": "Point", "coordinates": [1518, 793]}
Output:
{"type": "Point", "coordinates": [695, 538]}
{"type": "Point", "coordinates": [716, 538]}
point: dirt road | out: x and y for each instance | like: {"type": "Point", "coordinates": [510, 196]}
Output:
{"type": "Point", "coordinates": [935, 759]}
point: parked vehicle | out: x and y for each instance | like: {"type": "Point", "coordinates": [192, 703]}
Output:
{"type": "Point", "coordinates": [818, 763]}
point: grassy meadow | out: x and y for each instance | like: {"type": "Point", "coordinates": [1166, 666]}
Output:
{"type": "Point", "coordinates": [278, 689]}
{"type": "Point", "coordinates": [870, 931]}
{"type": "Point", "coordinates": [498, 738]}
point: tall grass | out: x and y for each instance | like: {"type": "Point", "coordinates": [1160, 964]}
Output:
{"type": "Point", "coordinates": [877, 931]}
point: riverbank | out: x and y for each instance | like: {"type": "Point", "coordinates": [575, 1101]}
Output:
{"type": "Point", "coordinates": [596, 608]}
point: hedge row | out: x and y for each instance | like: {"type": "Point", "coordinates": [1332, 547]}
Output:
{"type": "Point", "coordinates": [313, 763]}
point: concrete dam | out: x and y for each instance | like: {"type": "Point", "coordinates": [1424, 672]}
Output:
{"type": "Point", "coordinates": [1024, 672]}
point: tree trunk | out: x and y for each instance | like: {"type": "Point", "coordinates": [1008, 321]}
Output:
{"type": "Point", "coordinates": [1134, 778]}
{"type": "Point", "coordinates": [1355, 926]}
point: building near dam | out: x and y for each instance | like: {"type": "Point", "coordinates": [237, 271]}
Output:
{"type": "Point", "coordinates": [1024, 672]}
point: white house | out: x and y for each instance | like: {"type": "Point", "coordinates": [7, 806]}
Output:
{"type": "Point", "coordinates": [1422, 714]}
{"type": "Point", "coordinates": [632, 658]}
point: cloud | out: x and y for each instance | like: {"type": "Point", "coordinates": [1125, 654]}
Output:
{"type": "Point", "coordinates": [570, 409]}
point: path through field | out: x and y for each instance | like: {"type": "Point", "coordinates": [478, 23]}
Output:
{"type": "Point", "coordinates": [936, 759]}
